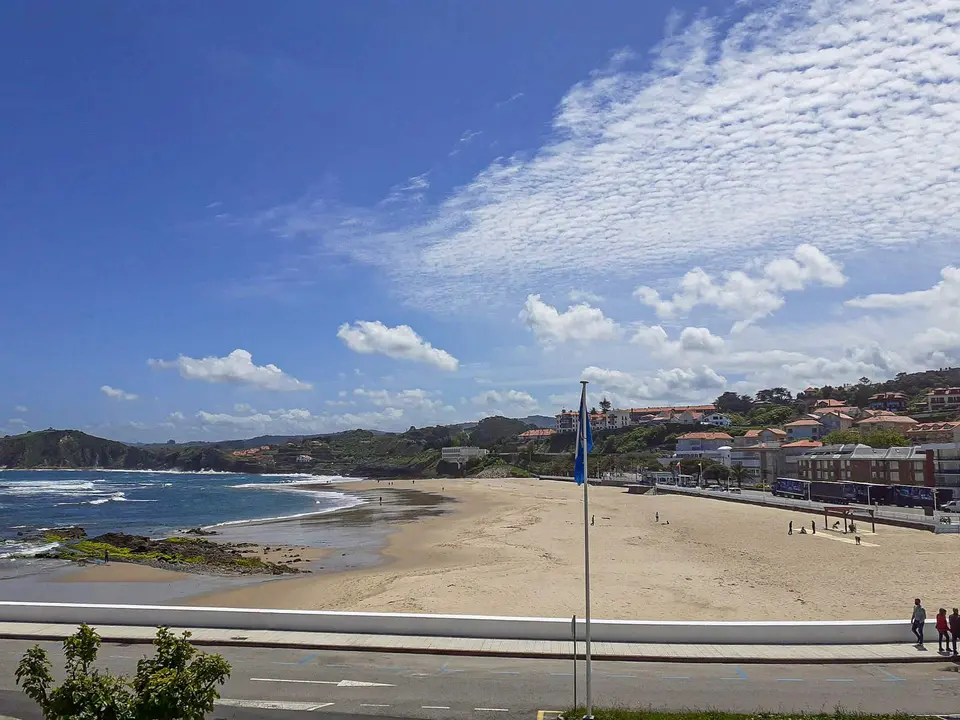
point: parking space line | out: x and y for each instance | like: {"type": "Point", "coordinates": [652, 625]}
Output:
{"type": "Point", "coordinates": [373, 705]}
{"type": "Point", "coordinates": [890, 676]}
{"type": "Point", "coordinates": [839, 680]}
{"type": "Point", "coordinates": [307, 659]}
{"type": "Point", "coordinates": [492, 709]}
{"type": "Point", "coordinates": [675, 677]}
{"type": "Point", "coordinates": [434, 707]}
{"type": "Point", "coordinates": [790, 680]}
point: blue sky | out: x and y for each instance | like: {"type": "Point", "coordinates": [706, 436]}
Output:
{"type": "Point", "coordinates": [229, 218]}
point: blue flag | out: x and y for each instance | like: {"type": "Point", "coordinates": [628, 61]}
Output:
{"type": "Point", "coordinates": [583, 432]}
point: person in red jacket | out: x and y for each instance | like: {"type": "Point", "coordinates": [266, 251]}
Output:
{"type": "Point", "coordinates": [955, 629]}
{"type": "Point", "coordinates": [942, 630]}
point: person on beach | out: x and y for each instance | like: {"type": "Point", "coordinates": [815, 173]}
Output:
{"type": "Point", "coordinates": [657, 516]}
{"type": "Point", "coordinates": [954, 621]}
{"type": "Point", "coordinates": [790, 528]}
{"type": "Point", "coordinates": [813, 526]}
{"type": "Point", "coordinates": [917, 620]}
{"type": "Point", "coordinates": [943, 630]}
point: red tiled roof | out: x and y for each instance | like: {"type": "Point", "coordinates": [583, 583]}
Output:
{"type": "Point", "coordinates": [945, 391]}
{"type": "Point", "coordinates": [932, 427]}
{"type": "Point", "coordinates": [830, 403]}
{"type": "Point", "coordinates": [776, 431]}
{"type": "Point", "coordinates": [802, 423]}
{"type": "Point", "coordinates": [878, 419]}
{"type": "Point", "coordinates": [537, 433]}
{"type": "Point", "coordinates": [802, 444]}
{"type": "Point", "coordinates": [705, 436]}
{"type": "Point", "coordinates": [752, 433]}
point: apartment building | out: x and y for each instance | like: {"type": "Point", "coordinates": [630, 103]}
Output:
{"type": "Point", "coordinates": [702, 444]}
{"type": "Point", "coordinates": [634, 417]}
{"type": "Point", "coordinates": [943, 399]}
{"type": "Point", "coordinates": [945, 432]}
{"type": "Point", "coordinates": [804, 429]}
{"type": "Point", "coordinates": [461, 454]}
{"type": "Point", "coordinates": [893, 401]}
{"type": "Point", "coordinates": [835, 420]}
{"type": "Point", "coordinates": [864, 464]}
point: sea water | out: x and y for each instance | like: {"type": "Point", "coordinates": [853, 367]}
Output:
{"type": "Point", "coordinates": [150, 503]}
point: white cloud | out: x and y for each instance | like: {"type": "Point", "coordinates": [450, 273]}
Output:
{"type": "Point", "coordinates": [747, 298]}
{"type": "Point", "coordinates": [300, 421]}
{"type": "Point", "coordinates": [399, 342]}
{"type": "Point", "coordinates": [421, 399]}
{"type": "Point", "coordinates": [17, 421]}
{"type": "Point", "coordinates": [21, 408]}
{"type": "Point", "coordinates": [237, 367]}
{"type": "Point", "coordinates": [339, 403]}
{"type": "Point", "coordinates": [176, 416]}
{"type": "Point", "coordinates": [692, 340]}
{"type": "Point", "coordinates": [117, 393]}
{"type": "Point", "coordinates": [516, 399]}
{"type": "Point", "coordinates": [664, 385]}
{"type": "Point", "coordinates": [242, 408]}
{"type": "Point", "coordinates": [945, 294]}
{"type": "Point", "coordinates": [832, 123]}
{"type": "Point", "coordinates": [584, 296]}
{"type": "Point", "coordinates": [579, 322]}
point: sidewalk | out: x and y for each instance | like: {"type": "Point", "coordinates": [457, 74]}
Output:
{"type": "Point", "coordinates": [801, 654]}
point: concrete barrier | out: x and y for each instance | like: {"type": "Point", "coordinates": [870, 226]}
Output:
{"type": "Point", "coordinates": [854, 632]}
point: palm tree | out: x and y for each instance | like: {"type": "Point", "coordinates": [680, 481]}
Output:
{"type": "Point", "coordinates": [738, 473]}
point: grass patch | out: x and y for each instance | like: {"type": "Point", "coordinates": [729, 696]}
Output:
{"type": "Point", "coordinates": [629, 714]}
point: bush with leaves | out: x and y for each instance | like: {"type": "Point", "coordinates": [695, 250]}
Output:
{"type": "Point", "coordinates": [177, 683]}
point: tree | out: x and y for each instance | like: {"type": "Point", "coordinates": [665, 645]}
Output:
{"type": "Point", "coordinates": [775, 396]}
{"type": "Point", "coordinates": [738, 473]}
{"type": "Point", "coordinates": [730, 402]}
{"type": "Point", "coordinates": [842, 437]}
{"type": "Point", "coordinates": [177, 683]}
{"type": "Point", "coordinates": [881, 438]}
{"type": "Point", "coordinates": [605, 406]}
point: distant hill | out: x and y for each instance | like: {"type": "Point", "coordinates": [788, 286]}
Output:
{"type": "Point", "coordinates": [541, 422]}
{"type": "Point", "coordinates": [71, 449]}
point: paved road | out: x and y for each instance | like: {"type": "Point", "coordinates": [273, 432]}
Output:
{"type": "Point", "coordinates": [357, 685]}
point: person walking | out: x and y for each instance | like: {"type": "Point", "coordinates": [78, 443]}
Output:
{"type": "Point", "coordinates": [790, 528]}
{"type": "Point", "coordinates": [943, 630]}
{"type": "Point", "coordinates": [954, 621]}
{"type": "Point", "coordinates": [917, 620]}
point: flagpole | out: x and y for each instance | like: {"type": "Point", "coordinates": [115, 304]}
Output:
{"type": "Point", "coordinates": [586, 549]}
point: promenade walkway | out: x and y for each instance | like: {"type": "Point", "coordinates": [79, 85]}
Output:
{"type": "Point", "coordinates": [802, 654]}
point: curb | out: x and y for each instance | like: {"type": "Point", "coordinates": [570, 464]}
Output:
{"type": "Point", "coordinates": [692, 658]}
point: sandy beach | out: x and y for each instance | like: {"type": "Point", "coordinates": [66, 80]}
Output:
{"type": "Point", "coordinates": [514, 547]}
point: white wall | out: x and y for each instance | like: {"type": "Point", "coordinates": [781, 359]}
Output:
{"type": "Point", "coordinates": [637, 631]}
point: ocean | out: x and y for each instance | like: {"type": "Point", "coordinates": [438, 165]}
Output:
{"type": "Point", "coordinates": [150, 503]}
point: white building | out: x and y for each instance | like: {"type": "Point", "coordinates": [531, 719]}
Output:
{"type": "Point", "coordinates": [717, 420]}
{"type": "Point", "coordinates": [461, 454]}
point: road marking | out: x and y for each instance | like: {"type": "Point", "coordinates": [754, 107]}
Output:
{"type": "Point", "coordinates": [789, 679]}
{"type": "Point", "coordinates": [740, 672]}
{"type": "Point", "coordinates": [890, 676]}
{"type": "Point", "coordinates": [542, 713]}
{"type": "Point", "coordinates": [434, 707]}
{"type": "Point", "coordinates": [274, 704]}
{"type": "Point", "coordinates": [676, 677]}
{"type": "Point", "coordinates": [622, 676]}
{"type": "Point", "coordinates": [373, 705]}
{"type": "Point", "coordinates": [362, 683]}
{"type": "Point", "coordinates": [342, 683]}
{"type": "Point", "coordinates": [307, 659]}
{"type": "Point", "coordinates": [503, 672]}
{"type": "Point", "coordinates": [492, 709]}
{"type": "Point", "coordinates": [839, 680]}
